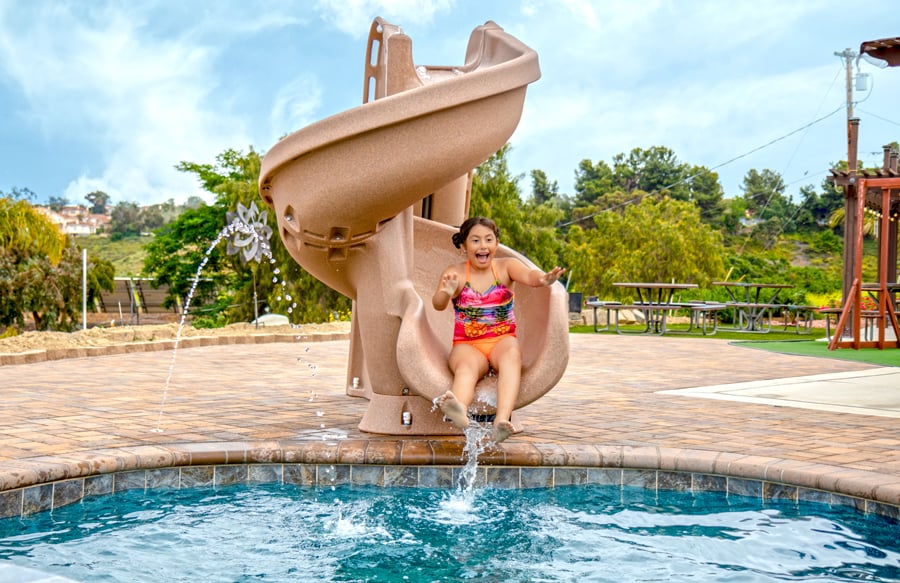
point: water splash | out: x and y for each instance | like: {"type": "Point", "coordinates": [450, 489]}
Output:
{"type": "Point", "coordinates": [236, 230]}
{"type": "Point", "coordinates": [478, 437]}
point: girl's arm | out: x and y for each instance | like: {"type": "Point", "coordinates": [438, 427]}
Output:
{"type": "Point", "coordinates": [518, 271]}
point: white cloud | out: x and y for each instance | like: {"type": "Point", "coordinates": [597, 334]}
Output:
{"type": "Point", "coordinates": [145, 102]}
{"type": "Point", "coordinates": [294, 106]}
{"type": "Point", "coordinates": [705, 79]}
{"type": "Point", "coordinates": [131, 89]}
{"type": "Point", "coordinates": [354, 17]}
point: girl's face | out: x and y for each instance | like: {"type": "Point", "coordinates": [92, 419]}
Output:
{"type": "Point", "coordinates": [481, 245]}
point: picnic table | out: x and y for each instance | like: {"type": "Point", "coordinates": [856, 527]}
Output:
{"type": "Point", "coordinates": [753, 304]}
{"type": "Point", "coordinates": [654, 301]}
{"type": "Point", "coordinates": [872, 289]}
{"type": "Point", "coordinates": [873, 315]}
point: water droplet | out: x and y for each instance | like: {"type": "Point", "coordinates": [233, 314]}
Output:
{"type": "Point", "coordinates": [276, 271]}
{"type": "Point", "coordinates": [320, 413]}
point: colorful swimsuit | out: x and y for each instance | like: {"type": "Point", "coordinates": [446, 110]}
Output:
{"type": "Point", "coordinates": [483, 318]}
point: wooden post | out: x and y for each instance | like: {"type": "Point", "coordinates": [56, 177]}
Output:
{"type": "Point", "coordinates": [890, 165]}
{"type": "Point", "coordinates": [884, 227]}
{"type": "Point", "coordinates": [851, 193]}
{"type": "Point", "coordinates": [861, 188]}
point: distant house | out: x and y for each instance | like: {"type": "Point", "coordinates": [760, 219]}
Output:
{"type": "Point", "coordinates": [76, 219]}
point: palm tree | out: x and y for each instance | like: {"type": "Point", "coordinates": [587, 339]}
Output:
{"type": "Point", "coordinates": [870, 222]}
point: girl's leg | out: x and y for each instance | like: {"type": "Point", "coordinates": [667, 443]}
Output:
{"type": "Point", "coordinates": [468, 365]}
{"type": "Point", "coordinates": [507, 361]}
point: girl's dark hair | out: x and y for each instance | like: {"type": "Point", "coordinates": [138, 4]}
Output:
{"type": "Point", "coordinates": [459, 239]}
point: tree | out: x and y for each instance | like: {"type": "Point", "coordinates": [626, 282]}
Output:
{"type": "Point", "coordinates": [24, 231]}
{"type": "Point", "coordinates": [98, 200]}
{"type": "Point", "coordinates": [40, 271]}
{"type": "Point", "coordinates": [125, 221]}
{"type": "Point", "coordinates": [733, 215]}
{"type": "Point", "coordinates": [19, 194]}
{"type": "Point", "coordinates": [226, 283]}
{"type": "Point", "coordinates": [772, 212]}
{"type": "Point", "coordinates": [529, 229]}
{"type": "Point", "coordinates": [706, 192]}
{"type": "Point", "coordinates": [764, 193]}
{"type": "Point", "coordinates": [25, 236]}
{"type": "Point", "coordinates": [179, 248]}
{"type": "Point", "coordinates": [151, 218]}
{"type": "Point", "coordinates": [194, 202]}
{"type": "Point", "coordinates": [592, 182]}
{"type": "Point", "coordinates": [542, 190]}
{"type": "Point", "coordinates": [57, 203]}
{"type": "Point", "coordinates": [653, 240]}
{"type": "Point", "coordinates": [655, 170]}
{"type": "Point", "coordinates": [806, 214]}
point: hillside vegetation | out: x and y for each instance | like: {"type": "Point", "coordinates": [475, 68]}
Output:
{"type": "Point", "coordinates": [126, 255]}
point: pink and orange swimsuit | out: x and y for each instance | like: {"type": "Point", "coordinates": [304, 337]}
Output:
{"type": "Point", "coordinates": [483, 319]}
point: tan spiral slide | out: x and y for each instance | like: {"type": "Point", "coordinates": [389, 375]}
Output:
{"type": "Point", "coordinates": [367, 201]}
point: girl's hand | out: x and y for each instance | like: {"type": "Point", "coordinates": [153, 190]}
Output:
{"type": "Point", "coordinates": [553, 275]}
{"type": "Point", "coordinates": [449, 284]}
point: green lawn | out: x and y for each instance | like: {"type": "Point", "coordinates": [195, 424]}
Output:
{"type": "Point", "coordinates": [777, 333]}
{"type": "Point", "coordinates": [780, 341]}
{"type": "Point", "coordinates": [886, 357]}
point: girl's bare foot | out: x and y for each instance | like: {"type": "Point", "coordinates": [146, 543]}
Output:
{"type": "Point", "coordinates": [502, 430]}
{"type": "Point", "coordinates": [453, 409]}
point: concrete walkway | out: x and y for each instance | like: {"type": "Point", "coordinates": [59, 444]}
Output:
{"type": "Point", "coordinates": [693, 403]}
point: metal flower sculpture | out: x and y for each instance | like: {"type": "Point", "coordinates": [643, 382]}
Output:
{"type": "Point", "coordinates": [251, 233]}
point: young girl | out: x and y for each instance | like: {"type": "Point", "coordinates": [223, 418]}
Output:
{"type": "Point", "coordinates": [485, 332]}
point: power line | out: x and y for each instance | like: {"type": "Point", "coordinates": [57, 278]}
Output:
{"type": "Point", "coordinates": [818, 109]}
{"type": "Point", "coordinates": [725, 163]}
{"type": "Point", "coordinates": [879, 117]}
{"type": "Point", "coordinates": [776, 140]}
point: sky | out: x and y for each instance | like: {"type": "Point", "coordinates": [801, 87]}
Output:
{"type": "Point", "coordinates": [112, 94]}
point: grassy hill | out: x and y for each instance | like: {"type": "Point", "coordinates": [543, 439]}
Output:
{"type": "Point", "coordinates": [127, 255]}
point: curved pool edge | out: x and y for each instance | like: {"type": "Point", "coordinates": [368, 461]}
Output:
{"type": "Point", "coordinates": [39, 484]}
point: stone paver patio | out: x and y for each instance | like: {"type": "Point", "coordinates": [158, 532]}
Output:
{"type": "Point", "coordinates": [281, 402]}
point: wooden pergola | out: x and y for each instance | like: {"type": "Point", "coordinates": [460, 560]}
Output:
{"type": "Point", "coordinates": [876, 192]}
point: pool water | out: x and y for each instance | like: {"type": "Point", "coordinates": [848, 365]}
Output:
{"type": "Point", "coordinates": [575, 533]}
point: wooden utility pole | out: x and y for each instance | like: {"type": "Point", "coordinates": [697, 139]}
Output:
{"type": "Point", "coordinates": [850, 192]}
{"type": "Point", "coordinates": [848, 55]}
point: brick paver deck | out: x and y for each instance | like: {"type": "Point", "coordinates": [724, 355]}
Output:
{"type": "Point", "coordinates": [71, 417]}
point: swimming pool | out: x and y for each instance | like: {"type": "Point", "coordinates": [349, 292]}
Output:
{"type": "Point", "coordinates": [284, 532]}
